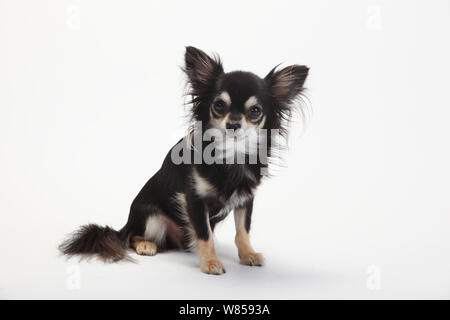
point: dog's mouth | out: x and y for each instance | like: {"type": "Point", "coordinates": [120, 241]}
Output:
{"type": "Point", "coordinates": [236, 134]}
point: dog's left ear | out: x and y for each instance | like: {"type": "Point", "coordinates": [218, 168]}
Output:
{"type": "Point", "coordinates": [201, 69]}
{"type": "Point", "coordinates": [287, 83]}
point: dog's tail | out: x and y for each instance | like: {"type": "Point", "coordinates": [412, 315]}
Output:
{"type": "Point", "coordinates": [92, 240]}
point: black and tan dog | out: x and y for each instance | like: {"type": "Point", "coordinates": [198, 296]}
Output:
{"type": "Point", "coordinates": [181, 204]}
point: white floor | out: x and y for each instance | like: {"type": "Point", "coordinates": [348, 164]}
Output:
{"type": "Point", "coordinates": [306, 261]}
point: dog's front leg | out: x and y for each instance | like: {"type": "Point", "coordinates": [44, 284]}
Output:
{"type": "Point", "coordinates": [209, 263]}
{"type": "Point", "coordinates": [242, 220]}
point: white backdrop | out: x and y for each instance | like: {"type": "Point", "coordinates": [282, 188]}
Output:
{"type": "Point", "coordinates": [91, 101]}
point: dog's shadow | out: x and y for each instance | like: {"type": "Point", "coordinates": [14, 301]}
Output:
{"type": "Point", "coordinates": [272, 271]}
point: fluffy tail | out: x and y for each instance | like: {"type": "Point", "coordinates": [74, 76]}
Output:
{"type": "Point", "coordinates": [94, 240]}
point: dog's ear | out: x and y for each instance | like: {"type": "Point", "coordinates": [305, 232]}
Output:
{"type": "Point", "coordinates": [287, 83]}
{"type": "Point", "coordinates": [285, 87]}
{"type": "Point", "coordinates": [201, 69]}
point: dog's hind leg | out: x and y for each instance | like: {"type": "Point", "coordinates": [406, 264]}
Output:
{"type": "Point", "coordinates": [143, 247]}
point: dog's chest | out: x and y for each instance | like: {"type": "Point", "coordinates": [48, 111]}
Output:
{"type": "Point", "coordinates": [220, 207]}
{"type": "Point", "coordinates": [225, 189]}
{"type": "Point", "coordinates": [238, 199]}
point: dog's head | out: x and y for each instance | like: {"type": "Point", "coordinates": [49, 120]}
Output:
{"type": "Point", "coordinates": [239, 100]}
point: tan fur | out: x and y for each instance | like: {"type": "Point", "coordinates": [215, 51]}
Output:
{"type": "Point", "coordinates": [142, 247]}
{"type": "Point", "coordinates": [250, 124]}
{"type": "Point", "coordinates": [218, 122]}
{"type": "Point", "coordinates": [209, 263]}
{"type": "Point", "coordinates": [225, 97]}
{"type": "Point", "coordinates": [247, 254]}
{"type": "Point", "coordinates": [174, 232]}
{"type": "Point", "coordinates": [250, 102]}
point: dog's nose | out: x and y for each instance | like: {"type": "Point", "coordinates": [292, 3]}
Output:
{"type": "Point", "coordinates": [233, 126]}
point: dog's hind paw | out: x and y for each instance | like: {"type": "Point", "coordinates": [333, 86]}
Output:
{"type": "Point", "coordinates": [146, 248]}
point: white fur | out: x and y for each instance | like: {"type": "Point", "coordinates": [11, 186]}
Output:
{"type": "Point", "coordinates": [250, 102]}
{"type": "Point", "coordinates": [238, 145]}
{"type": "Point", "coordinates": [235, 201]}
{"type": "Point", "coordinates": [155, 229]}
{"type": "Point", "coordinates": [225, 97]}
{"type": "Point", "coordinates": [202, 187]}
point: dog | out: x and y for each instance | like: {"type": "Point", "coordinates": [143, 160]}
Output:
{"type": "Point", "coordinates": [181, 204]}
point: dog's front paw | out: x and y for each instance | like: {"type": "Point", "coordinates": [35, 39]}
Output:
{"type": "Point", "coordinates": [212, 266]}
{"type": "Point", "coordinates": [252, 259]}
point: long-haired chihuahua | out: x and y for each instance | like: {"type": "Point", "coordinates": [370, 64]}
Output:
{"type": "Point", "coordinates": [214, 170]}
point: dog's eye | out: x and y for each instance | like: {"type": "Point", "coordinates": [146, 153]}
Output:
{"type": "Point", "coordinates": [254, 112]}
{"type": "Point", "coordinates": [219, 106]}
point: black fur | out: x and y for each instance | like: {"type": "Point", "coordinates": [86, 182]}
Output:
{"type": "Point", "coordinates": [276, 94]}
{"type": "Point", "coordinates": [92, 239]}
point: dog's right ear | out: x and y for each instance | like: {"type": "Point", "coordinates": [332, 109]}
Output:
{"type": "Point", "coordinates": [201, 69]}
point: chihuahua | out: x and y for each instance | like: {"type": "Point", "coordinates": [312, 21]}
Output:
{"type": "Point", "coordinates": [209, 173]}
